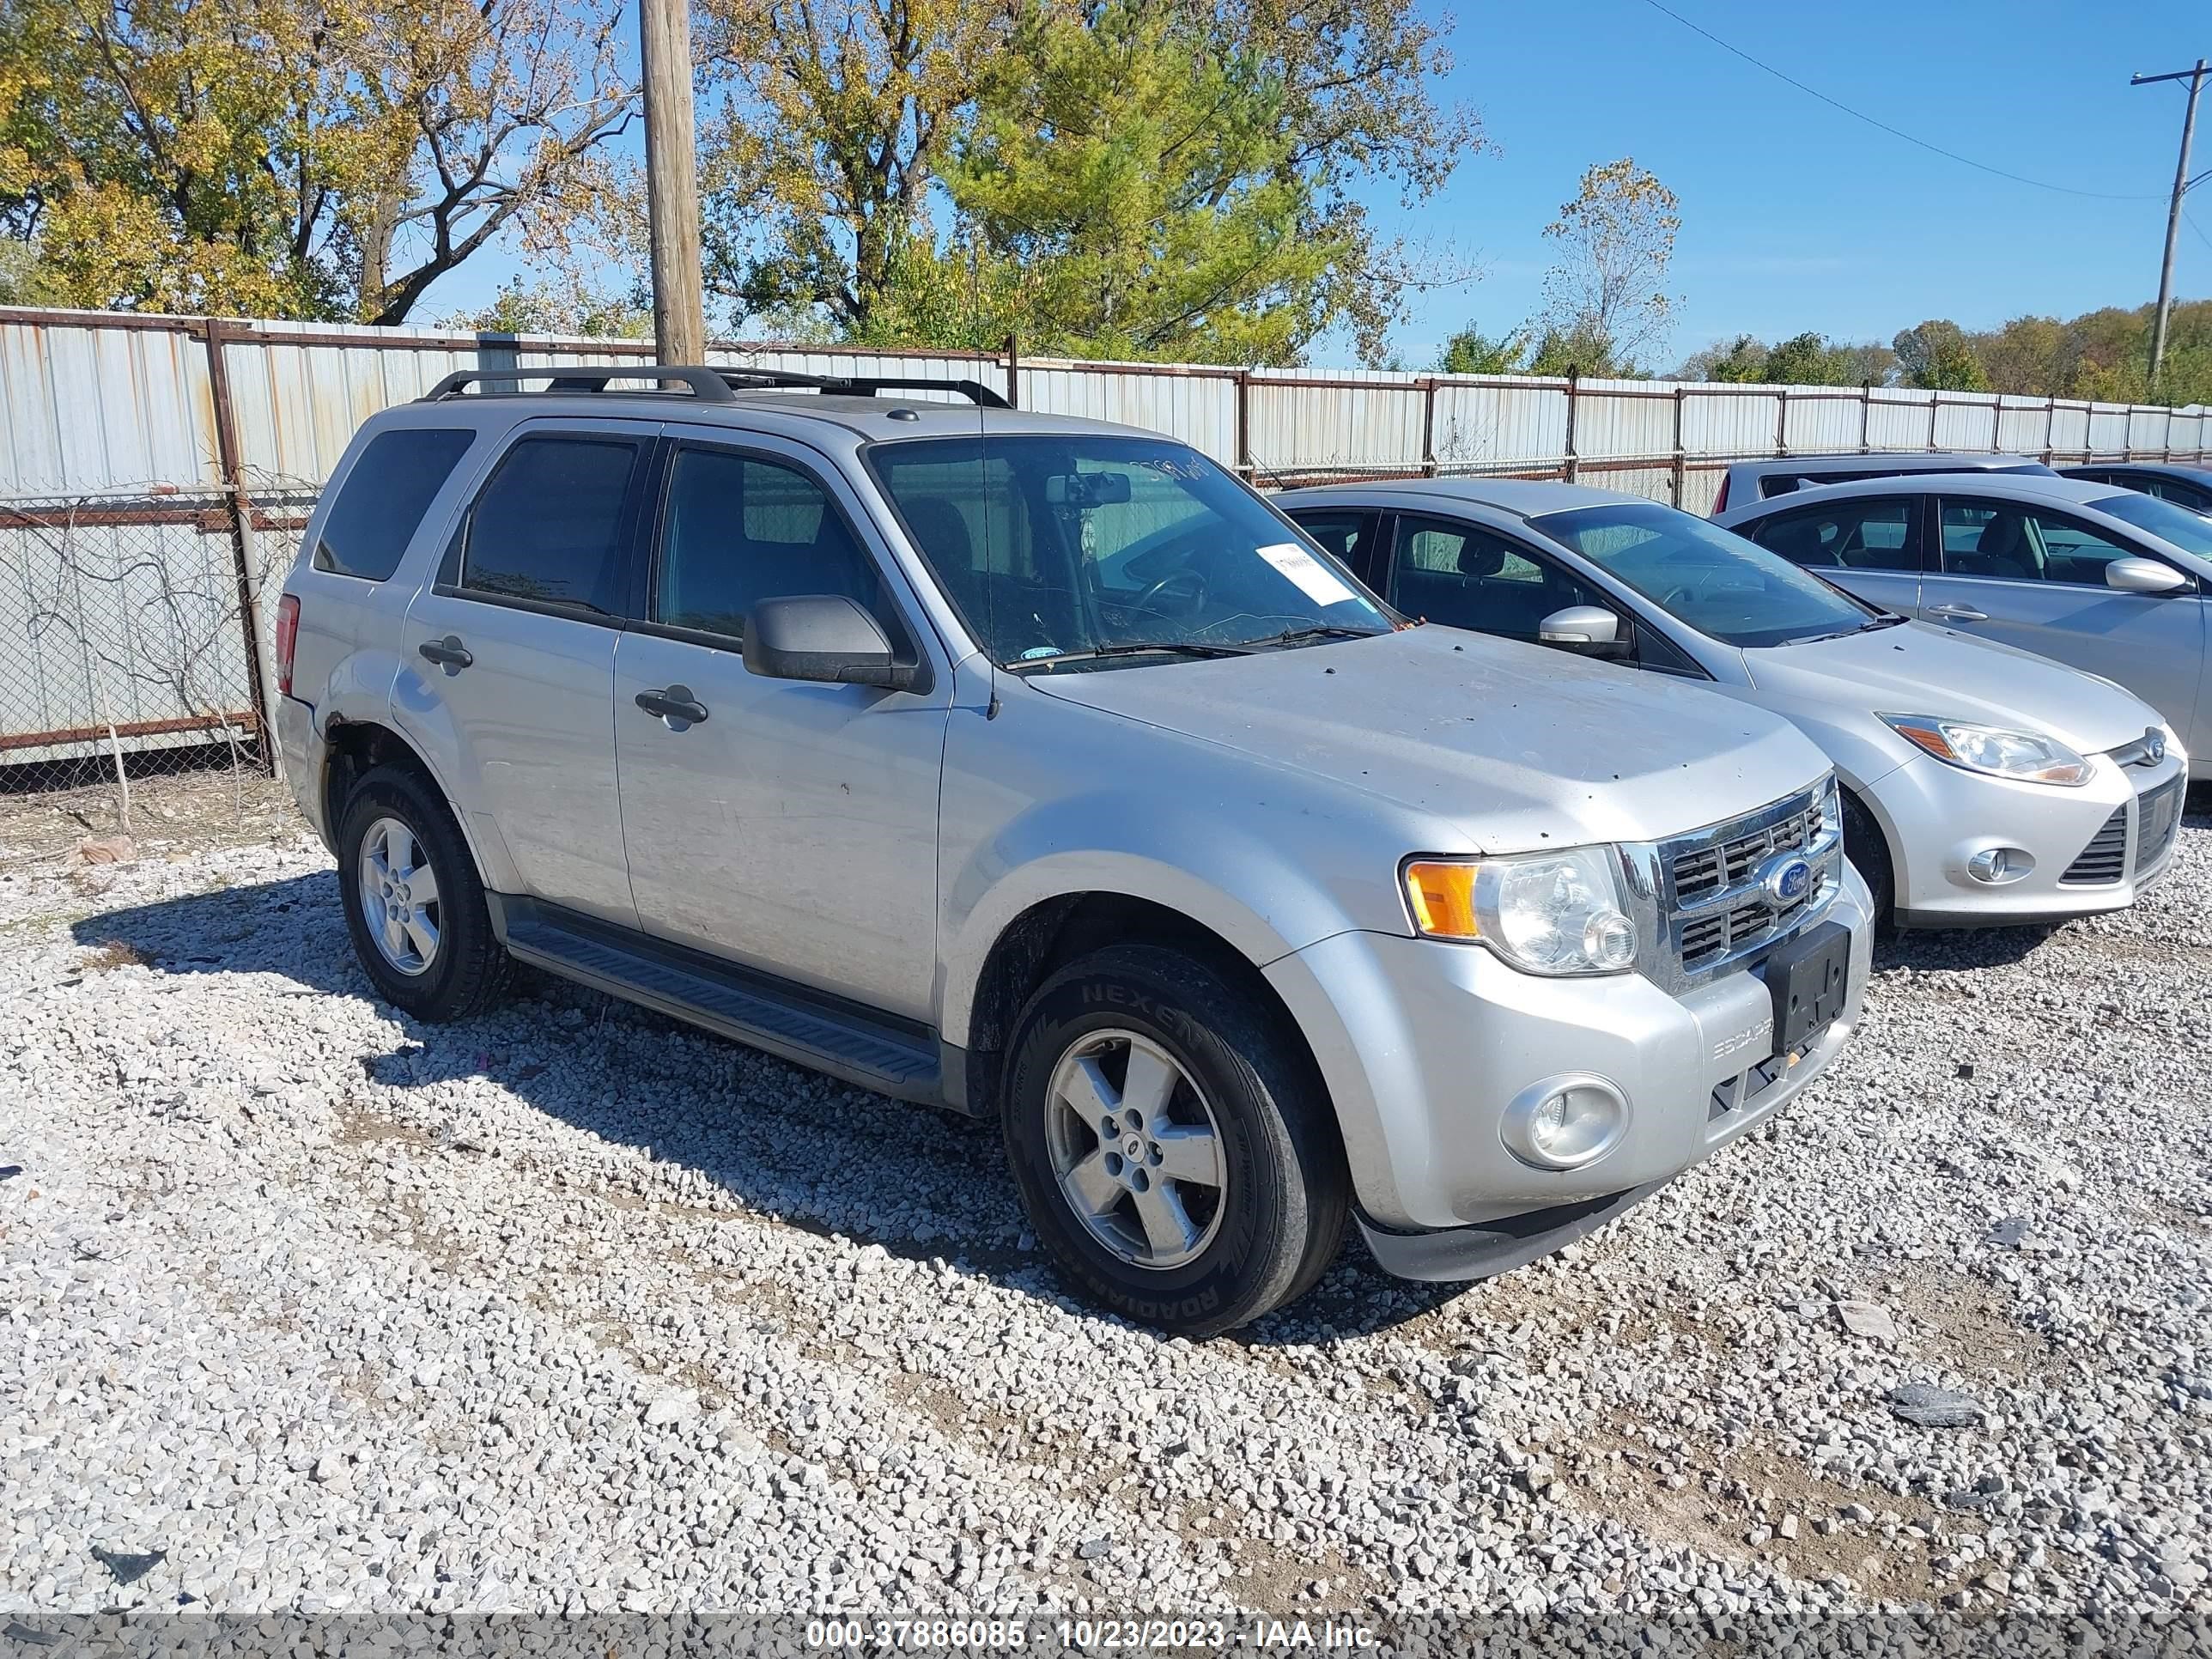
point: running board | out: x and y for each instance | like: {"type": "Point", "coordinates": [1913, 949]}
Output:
{"type": "Point", "coordinates": [786, 1020]}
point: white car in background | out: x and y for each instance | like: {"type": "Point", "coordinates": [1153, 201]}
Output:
{"type": "Point", "coordinates": [1981, 786]}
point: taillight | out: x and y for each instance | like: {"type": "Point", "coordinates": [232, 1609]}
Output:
{"type": "Point", "coordinates": [287, 635]}
{"type": "Point", "coordinates": [1720, 501]}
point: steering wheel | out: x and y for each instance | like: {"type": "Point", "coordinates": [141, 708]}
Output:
{"type": "Point", "coordinates": [1686, 593]}
{"type": "Point", "coordinates": [1193, 581]}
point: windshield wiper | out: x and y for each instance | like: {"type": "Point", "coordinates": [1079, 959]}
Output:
{"type": "Point", "coordinates": [1317, 631]}
{"type": "Point", "coordinates": [1128, 648]}
{"type": "Point", "coordinates": [1887, 619]}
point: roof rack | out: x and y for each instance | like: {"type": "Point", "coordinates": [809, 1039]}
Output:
{"type": "Point", "coordinates": [708, 384]}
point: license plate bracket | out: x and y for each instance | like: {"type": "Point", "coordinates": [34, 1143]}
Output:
{"type": "Point", "coordinates": [1807, 976]}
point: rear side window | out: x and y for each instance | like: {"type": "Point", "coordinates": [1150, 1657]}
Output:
{"type": "Point", "coordinates": [551, 525]}
{"type": "Point", "coordinates": [383, 498]}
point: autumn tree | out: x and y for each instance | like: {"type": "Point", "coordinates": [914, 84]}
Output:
{"type": "Point", "coordinates": [1606, 298]}
{"type": "Point", "coordinates": [304, 158]}
{"type": "Point", "coordinates": [1936, 356]}
{"type": "Point", "coordinates": [1143, 177]}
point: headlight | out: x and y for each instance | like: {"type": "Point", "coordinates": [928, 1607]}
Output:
{"type": "Point", "coordinates": [1831, 807]}
{"type": "Point", "coordinates": [2028, 756]}
{"type": "Point", "coordinates": [1545, 913]}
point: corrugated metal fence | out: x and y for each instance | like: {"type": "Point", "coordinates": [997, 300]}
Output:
{"type": "Point", "coordinates": [155, 472]}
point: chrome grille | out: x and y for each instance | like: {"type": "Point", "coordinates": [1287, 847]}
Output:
{"type": "Point", "coordinates": [1712, 909]}
{"type": "Point", "coordinates": [1728, 863]}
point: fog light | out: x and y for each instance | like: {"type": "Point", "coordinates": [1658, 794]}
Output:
{"type": "Point", "coordinates": [1566, 1122]}
{"type": "Point", "coordinates": [1996, 865]}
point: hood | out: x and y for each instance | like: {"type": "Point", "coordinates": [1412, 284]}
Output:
{"type": "Point", "coordinates": [1520, 746]}
{"type": "Point", "coordinates": [1916, 669]}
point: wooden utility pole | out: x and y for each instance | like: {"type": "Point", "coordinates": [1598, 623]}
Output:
{"type": "Point", "coordinates": [2182, 181]}
{"type": "Point", "coordinates": [671, 180]}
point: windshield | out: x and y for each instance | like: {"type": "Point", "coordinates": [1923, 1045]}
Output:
{"type": "Point", "coordinates": [1711, 578]}
{"type": "Point", "coordinates": [2168, 520]}
{"type": "Point", "coordinates": [1057, 547]}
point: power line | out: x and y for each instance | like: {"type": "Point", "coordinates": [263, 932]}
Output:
{"type": "Point", "coordinates": [1894, 132]}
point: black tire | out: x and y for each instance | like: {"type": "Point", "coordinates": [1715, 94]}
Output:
{"type": "Point", "coordinates": [1281, 1211]}
{"type": "Point", "coordinates": [1867, 849]}
{"type": "Point", "coordinates": [470, 970]}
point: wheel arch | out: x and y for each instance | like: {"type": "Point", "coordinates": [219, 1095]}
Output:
{"type": "Point", "coordinates": [354, 748]}
{"type": "Point", "coordinates": [1052, 931]}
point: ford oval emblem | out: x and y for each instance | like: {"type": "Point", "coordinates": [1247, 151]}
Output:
{"type": "Point", "coordinates": [1787, 877]}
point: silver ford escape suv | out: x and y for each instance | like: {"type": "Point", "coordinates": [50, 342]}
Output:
{"type": "Point", "coordinates": [1036, 769]}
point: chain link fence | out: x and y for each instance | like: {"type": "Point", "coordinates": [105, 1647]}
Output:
{"type": "Point", "coordinates": [134, 626]}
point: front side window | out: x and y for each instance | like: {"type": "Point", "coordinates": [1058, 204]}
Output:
{"type": "Point", "coordinates": [1855, 535]}
{"type": "Point", "coordinates": [1349, 535]}
{"type": "Point", "coordinates": [739, 530]}
{"type": "Point", "coordinates": [2008, 541]}
{"type": "Point", "coordinates": [2170, 520]}
{"type": "Point", "coordinates": [1059, 547]}
{"type": "Point", "coordinates": [384, 497]}
{"type": "Point", "coordinates": [1464, 576]}
{"type": "Point", "coordinates": [1710, 579]}
{"type": "Point", "coordinates": [549, 526]}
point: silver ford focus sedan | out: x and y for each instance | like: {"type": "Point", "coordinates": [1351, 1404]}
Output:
{"type": "Point", "coordinates": [1981, 785]}
{"type": "Point", "coordinates": [2109, 581]}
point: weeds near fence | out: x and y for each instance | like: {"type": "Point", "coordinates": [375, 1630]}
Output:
{"type": "Point", "coordinates": [135, 653]}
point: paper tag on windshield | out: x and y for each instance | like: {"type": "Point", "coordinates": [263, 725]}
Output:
{"type": "Point", "coordinates": [1314, 579]}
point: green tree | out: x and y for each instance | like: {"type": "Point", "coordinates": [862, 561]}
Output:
{"type": "Point", "coordinates": [1937, 357]}
{"type": "Point", "coordinates": [1740, 361]}
{"type": "Point", "coordinates": [1152, 177]}
{"type": "Point", "coordinates": [1471, 351]}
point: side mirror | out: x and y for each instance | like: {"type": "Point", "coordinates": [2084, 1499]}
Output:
{"type": "Point", "coordinates": [2133, 575]}
{"type": "Point", "coordinates": [1589, 630]}
{"type": "Point", "coordinates": [821, 636]}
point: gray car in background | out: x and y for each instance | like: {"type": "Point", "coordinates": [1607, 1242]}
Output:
{"type": "Point", "coordinates": [1747, 483]}
{"type": "Point", "coordinates": [1981, 786]}
{"type": "Point", "coordinates": [2185, 486]}
{"type": "Point", "coordinates": [2106, 580]}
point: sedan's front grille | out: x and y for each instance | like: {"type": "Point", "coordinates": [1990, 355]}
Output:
{"type": "Point", "coordinates": [2105, 859]}
{"type": "Point", "coordinates": [1716, 908]}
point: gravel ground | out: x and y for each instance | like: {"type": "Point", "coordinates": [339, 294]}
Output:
{"type": "Point", "coordinates": [569, 1308]}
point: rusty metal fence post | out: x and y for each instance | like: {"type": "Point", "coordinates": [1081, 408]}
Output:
{"type": "Point", "coordinates": [1574, 380]}
{"type": "Point", "coordinates": [233, 470]}
{"type": "Point", "coordinates": [1680, 480]}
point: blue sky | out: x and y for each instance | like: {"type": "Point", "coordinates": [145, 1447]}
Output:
{"type": "Point", "coordinates": [1795, 216]}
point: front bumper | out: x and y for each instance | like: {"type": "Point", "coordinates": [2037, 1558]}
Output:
{"type": "Point", "coordinates": [1938, 818]}
{"type": "Point", "coordinates": [1423, 1044]}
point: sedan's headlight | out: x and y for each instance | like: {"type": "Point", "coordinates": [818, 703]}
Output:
{"type": "Point", "coordinates": [1545, 913]}
{"type": "Point", "coordinates": [2026, 756]}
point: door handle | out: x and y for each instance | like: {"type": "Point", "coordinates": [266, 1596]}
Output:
{"type": "Point", "coordinates": [449, 654]}
{"type": "Point", "coordinates": [675, 704]}
{"type": "Point", "coordinates": [1958, 613]}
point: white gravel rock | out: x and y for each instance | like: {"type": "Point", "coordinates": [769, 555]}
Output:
{"type": "Point", "coordinates": [568, 1308]}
